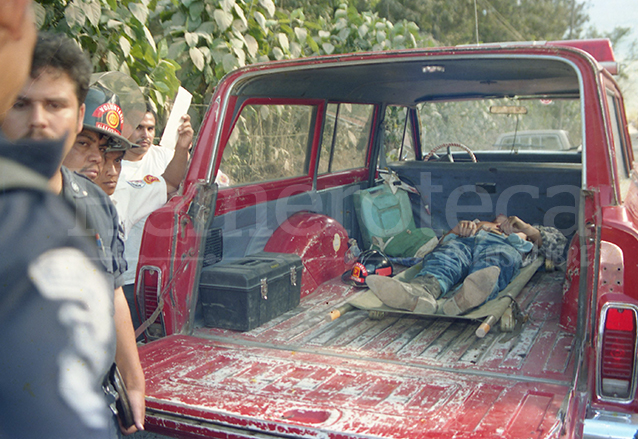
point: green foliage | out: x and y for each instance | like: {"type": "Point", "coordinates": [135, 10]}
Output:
{"type": "Point", "coordinates": [116, 36]}
{"type": "Point", "coordinates": [268, 143]}
{"type": "Point", "coordinates": [165, 43]}
{"type": "Point", "coordinates": [211, 38]}
{"type": "Point", "coordinates": [454, 22]}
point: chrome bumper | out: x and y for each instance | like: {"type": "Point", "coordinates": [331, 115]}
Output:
{"type": "Point", "coordinates": [611, 425]}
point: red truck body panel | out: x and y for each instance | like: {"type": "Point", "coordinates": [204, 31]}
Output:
{"type": "Point", "coordinates": [302, 375]}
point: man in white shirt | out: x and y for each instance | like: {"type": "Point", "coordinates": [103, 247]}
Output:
{"type": "Point", "coordinates": [149, 176]}
{"type": "Point", "coordinates": [148, 159]}
{"type": "Point", "coordinates": [134, 201]}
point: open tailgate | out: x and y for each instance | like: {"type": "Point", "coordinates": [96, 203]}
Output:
{"type": "Point", "coordinates": [198, 386]}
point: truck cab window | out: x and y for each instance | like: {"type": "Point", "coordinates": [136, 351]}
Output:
{"type": "Point", "coordinates": [269, 142]}
{"type": "Point", "coordinates": [507, 126]}
{"type": "Point", "coordinates": [622, 162]}
{"type": "Point", "coordinates": [397, 140]}
{"type": "Point", "coordinates": [345, 137]}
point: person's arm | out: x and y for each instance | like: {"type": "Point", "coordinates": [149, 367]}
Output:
{"type": "Point", "coordinates": [176, 169]}
{"type": "Point", "coordinates": [514, 224]}
{"type": "Point", "coordinates": [465, 228]}
{"type": "Point", "coordinates": [128, 361]}
{"type": "Point", "coordinates": [550, 241]}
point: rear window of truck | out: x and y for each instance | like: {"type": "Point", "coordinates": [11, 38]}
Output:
{"type": "Point", "coordinates": [268, 143]}
{"type": "Point", "coordinates": [271, 142]}
{"type": "Point", "coordinates": [345, 137]}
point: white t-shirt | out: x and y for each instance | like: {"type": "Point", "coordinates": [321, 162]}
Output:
{"type": "Point", "coordinates": [154, 162]}
{"type": "Point", "coordinates": [134, 201]}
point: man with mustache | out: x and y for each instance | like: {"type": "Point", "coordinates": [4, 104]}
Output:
{"type": "Point", "coordinates": [51, 106]}
{"type": "Point", "coordinates": [146, 167]}
{"type": "Point", "coordinates": [58, 337]}
{"type": "Point", "coordinates": [148, 159]}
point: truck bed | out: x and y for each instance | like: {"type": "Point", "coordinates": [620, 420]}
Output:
{"type": "Point", "coordinates": [401, 376]}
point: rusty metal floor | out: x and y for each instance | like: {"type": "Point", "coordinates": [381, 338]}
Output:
{"type": "Point", "coordinates": [539, 349]}
{"type": "Point", "coordinates": [400, 377]}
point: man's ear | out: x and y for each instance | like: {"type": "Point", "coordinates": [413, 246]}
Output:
{"type": "Point", "coordinates": [12, 16]}
{"type": "Point", "coordinates": [81, 112]}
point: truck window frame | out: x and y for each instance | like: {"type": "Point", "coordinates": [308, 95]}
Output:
{"type": "Point", "coordinates": [623, 168]}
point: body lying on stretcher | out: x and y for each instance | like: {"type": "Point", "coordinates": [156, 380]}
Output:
{"type": "Point", "coordinates": [489, 313]}
{"type": "Point", "coordinates": [474, 263]}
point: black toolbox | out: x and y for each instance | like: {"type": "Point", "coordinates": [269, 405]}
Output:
{"type": "Point", "coordinates": [247, 293]}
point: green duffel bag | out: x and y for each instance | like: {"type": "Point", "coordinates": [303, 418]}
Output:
{"type": "Point", "coordinates": [409, 243]}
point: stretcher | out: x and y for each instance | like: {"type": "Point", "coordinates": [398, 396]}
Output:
{"type": "Point", "coordinates": [501, 308]}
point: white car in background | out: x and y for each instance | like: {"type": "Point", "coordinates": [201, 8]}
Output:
{"type": "Point", "coordinates": [544, 140]}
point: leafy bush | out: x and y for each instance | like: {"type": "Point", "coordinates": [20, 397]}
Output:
{"type": "Point", "coordinates": [165, 43]}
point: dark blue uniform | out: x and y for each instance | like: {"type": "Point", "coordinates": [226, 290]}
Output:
{"type": "Point", "coordinates": [56, 306]}
{"type": "Point", "coordinates": [97, 215]}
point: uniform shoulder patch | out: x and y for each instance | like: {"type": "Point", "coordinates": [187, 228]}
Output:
{"type": "Point", "coordinates": [67, 276]}
{"type": "Point", "coordinates": [149, 179]}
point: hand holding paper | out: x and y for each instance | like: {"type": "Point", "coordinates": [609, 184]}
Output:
{"type": "Point", "coordinates": [180, 108]}
{"type": "Point", "coordinates": [184, 133]}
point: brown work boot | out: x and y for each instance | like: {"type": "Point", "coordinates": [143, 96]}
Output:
{"type": "Point", "coordinates": [475, 289]}
{"type": "Point", "coordinates": [411, 296]}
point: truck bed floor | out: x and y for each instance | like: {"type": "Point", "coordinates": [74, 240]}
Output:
{"type": "Point", "coordinates": [401, 377]}
{"type": "Point", "coordinates": [540, 348]}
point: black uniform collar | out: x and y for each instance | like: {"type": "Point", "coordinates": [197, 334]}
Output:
{"type": "Point", "coordinates": [43, 156]}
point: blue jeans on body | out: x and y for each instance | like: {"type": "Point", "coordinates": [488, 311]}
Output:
{"type": "Point", "coordinates": [458, 257]}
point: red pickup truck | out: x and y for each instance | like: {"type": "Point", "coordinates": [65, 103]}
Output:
{"type": "Point", "coordinates": [298, 141]}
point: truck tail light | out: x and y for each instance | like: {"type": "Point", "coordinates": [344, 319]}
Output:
{"type": "Point", "coordinates": [150, 284]}
{"type": "Point", "coordinates": [618, 353]}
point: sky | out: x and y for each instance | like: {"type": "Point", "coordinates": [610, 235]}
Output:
{"type": "Point", "coordinates": [605, 15]}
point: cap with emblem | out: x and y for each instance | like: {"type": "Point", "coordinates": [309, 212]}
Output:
{"type": "Point", "coordinates": [104, 115]}
{"type": "Point", "coordinates": [114, 107]}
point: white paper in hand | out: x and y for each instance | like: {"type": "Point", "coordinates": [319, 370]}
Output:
{"type": "Point", "coordinates": [180, 108]}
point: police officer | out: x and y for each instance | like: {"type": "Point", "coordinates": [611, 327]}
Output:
{"type": "Point", "coordinates": [51, 106]}
{"type": "Point", "coordinates": [58, 336]}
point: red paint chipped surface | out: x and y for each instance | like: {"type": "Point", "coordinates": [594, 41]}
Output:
{"type": "Point", "coordinates": [399, 377]}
